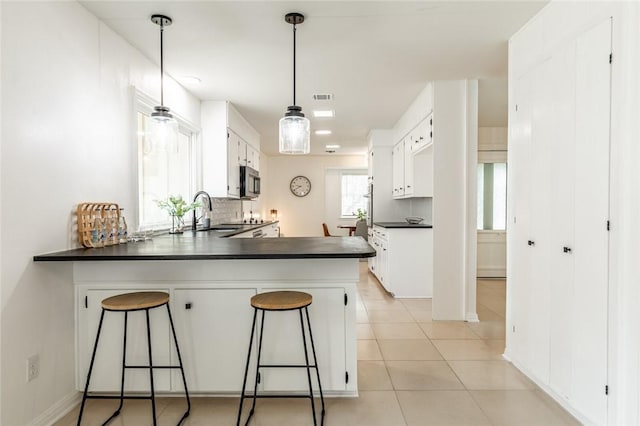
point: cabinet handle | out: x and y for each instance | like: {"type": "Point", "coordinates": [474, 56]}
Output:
{"type": "Point", "coordinates": [401, 188]}
{"type": "Point", "coordinates": [408, 186]}
{"type": "Point", "coordinates": [187, 305]}
{"type": "Point", "coordinates": [531, 243]}
{"type": "Point", "coordinates": [566, 249]}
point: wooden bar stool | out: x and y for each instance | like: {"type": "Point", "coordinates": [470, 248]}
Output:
{"type": "Point", "coordinates": [281, 301]}
{"type": "Point", "coordinates": [131, 302]}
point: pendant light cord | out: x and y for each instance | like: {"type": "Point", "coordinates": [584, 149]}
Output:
{"type": "Point", "coordinates": [294, 64]}
{"type": "Point", "coordinates": [161, 63]}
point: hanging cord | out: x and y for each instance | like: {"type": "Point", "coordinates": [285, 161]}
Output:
{"type": "Point", "coordinates": [294, 64]}
{"type": "Point", "coordinates": [161, 63]}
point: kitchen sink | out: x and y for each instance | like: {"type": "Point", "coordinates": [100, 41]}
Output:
{"type": "Point", "coordinates": [220, 228]}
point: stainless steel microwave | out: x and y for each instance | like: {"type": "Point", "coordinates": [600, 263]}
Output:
{"type": "Point", "coordinates": [249, 182]}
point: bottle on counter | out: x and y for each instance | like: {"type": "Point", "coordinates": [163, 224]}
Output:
{"type": "Point", "coordinates": [122, 228]}
{"type": "Point", "coordinates": [98, 231]}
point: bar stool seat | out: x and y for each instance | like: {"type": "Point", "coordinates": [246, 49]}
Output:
{"type": "Point", "coordinates": [126, 303]}
{"type": "Point", "coordinates": [280, 301]}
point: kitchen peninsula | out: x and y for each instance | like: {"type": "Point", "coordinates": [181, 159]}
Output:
{"type": "Point", "coordinates": [210, 280]}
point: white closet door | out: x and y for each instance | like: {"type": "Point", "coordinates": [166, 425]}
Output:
{"type": "Point", "coordinates": [561, 119]}
{"type": "Point", "coordinates": [593, 101]}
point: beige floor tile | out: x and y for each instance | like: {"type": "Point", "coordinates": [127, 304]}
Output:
{"type": "Point", "coordinates": [398, 331]}
{"type": "Point", "coordinates": [490, 375]}
{"type": "Point", "coordinates": [285, 411]}
{"type": "Point", "coordinates": [486, 314]}
{"type": "Point", "coordinates": [371, 408]}
{"type": "Point", "coordinates": [488, 329]}
{"type": "Point", "coordinates": [417, 304]}
{"type": "Point", "coordinates": [373, 375]}
{"type": "Point", "coordinates": [384, 304]}
{"type": "Point", "coordinates": [368, 350]}
{"type": "Point", "coordinates": [362, 317]}
{"type": "Point", "coordinates": [441, 408]}
{"type": "Point", "coordinates": [204, 411]}
{"type": "Point", "coordinates": [520, 407]}
{"type": "Point", "coordinates": [408, 350]}
{"type": "Point", "coordinates": [134, 412]}
{"type": "Point", "coordinates": [422, 316]}
{"type": "Point", "coordinates": [364, 332]}
{"type": "Point", "coordinates": [388, 316]}
{"type": "Point", "coordinates": [467, 350]}
{"type": "Point", "coordinates": [448, 330]}
{"type": "Point", "coordinates": [422, 375]}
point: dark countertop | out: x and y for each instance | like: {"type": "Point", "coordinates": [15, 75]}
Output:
{"type": "Point", "coordinates": [209, 245]}
{"type": "Point", "coordinates": [401, 225]}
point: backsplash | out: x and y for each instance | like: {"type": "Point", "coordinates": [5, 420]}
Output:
{"type": "Point", "coordinates": [226, 210]}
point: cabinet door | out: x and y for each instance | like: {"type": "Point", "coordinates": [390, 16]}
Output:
{"type": "Point", "coordinates": [107, 367]}
{"type": "Point", "coordinates": [398, 169]}
{"type": "Point", "coordinates": [408, 167]}
{"type": "Point", "coordinates": [233, 159]}
{"type": "Point", "coordinates": [282, 343]}
{"type": "Point", "coordinates": [253, 157]}
{"type": "Point", "coordinates": [384, 266]}
{"type": "Point", "coordinates": [213, 328]}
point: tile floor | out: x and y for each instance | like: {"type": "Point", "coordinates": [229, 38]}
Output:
{"type": "Point", "coordinates": [411, 371]}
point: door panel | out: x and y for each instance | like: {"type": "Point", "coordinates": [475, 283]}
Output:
{"type": "Point", "coordinates": [593, 100]}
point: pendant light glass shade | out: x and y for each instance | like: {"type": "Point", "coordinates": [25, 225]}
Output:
{"type": "Point", "coordinates": [295, 132]}
{"type": "Point", "coordinates": [163, 126]}
{"type": "Point", "coordinates": [295, 129]}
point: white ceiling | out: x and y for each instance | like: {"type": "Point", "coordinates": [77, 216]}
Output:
{"type": "Point", "coordinates": [373, 56]}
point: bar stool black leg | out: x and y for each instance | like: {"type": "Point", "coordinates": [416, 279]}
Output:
{"type": "Point", "coordinates": [306, 358]}
{"type": "Point", "coordinates": [93, 358]}
{"type": "Point", "coordinates": [255, 386]}
{"type": "Point", "coordinates": [246, 368]}
{"type": "Point", "coordinates": [124, 357]}
{"type": "Point", "coordinates": [184, 378]}
{"type": "Point", "coordinates": [315, 362]}
{"type": "Point", "coordinates": [153, 395]}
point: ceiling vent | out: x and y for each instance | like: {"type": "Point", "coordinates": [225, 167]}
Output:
{"type": "Point", "coordinates": [323, 97]}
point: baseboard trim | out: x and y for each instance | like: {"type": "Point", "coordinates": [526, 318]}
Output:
{"type": "Point", "coordinates": [58, 410]}
{"type": "Point", "coordinates": [471, 317]}
{"type": "Point", "coordinates": [552, 394]}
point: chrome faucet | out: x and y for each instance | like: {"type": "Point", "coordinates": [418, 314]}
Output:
{"type": "Point", "coordinates": [195, 197]}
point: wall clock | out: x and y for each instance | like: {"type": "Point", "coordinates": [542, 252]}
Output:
{"type": "Point", "coordinates": [300, 186]}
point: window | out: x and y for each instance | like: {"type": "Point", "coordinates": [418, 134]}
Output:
{"type": "Point", "coordinates": [492, 196]}
{"type": "Point", "coordinates": [353, 189]}
{"type": "Point", "coordinates": [163, 170]}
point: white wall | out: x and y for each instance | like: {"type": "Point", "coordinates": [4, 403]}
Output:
{"type": "Point", "coordinates": [556, 24]}
{"type": "Point", "coordinates": [303, 216]}
{"type": "Point", "coordinates": [67, 137]}
{"type": "Point", "coordinates": [455, 148]}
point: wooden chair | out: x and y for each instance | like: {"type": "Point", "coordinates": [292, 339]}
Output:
{"type": "Point", "coordinates": [325, 228]}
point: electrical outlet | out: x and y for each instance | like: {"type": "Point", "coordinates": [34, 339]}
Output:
{"type": "Point", "coordinates": [33, 367]}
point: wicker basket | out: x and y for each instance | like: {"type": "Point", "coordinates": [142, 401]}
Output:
{"type": "Point", "coordinates": [92, 214]}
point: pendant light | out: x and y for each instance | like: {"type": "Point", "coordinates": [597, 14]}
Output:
{"type": "Point", "coordinates": [163, 126]}
{"type": "Point", "coordinates": [294, 126]}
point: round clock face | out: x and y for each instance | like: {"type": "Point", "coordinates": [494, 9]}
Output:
{"type": "Point", "coordinates": [300, 186]}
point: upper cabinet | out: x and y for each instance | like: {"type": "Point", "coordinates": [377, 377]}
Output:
{"type": "Point", "coordinates": [228, 142]}
{"type": "Point", "coordinates": [413, 149]}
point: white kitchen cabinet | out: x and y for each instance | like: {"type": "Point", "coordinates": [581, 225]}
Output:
{"type": "Point", "coordinates": [268, 231]}
{"type": "Point", "coordinates": [398, 169]}
{"type": "Point", "coordinates": [282, 343]}
{"type": "Point", "coordinates": [253, 157]}
{"type": "Point", "coordinates": [210, 348]}
{"type": "Point", "coordinates": [210, 303]}
{"type": "Point", "coordinates": [404, 260]}
{"type": "Point", "coordinates": [107, 366]}
{"type": "Point", "coordinates": [226, 136]}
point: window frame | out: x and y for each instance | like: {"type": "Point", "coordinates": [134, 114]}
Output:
{"type": "Point", "coordinates": [351, 172]}
{"type": "Point", "coordinates": [493, 157]}
{"type": "Point", "coordinates": [145, 104]}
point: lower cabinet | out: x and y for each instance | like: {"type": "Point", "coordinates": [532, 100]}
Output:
{"type": "Point", "coordinates": [404, 260]}
{"type": "Point", "coordinates": [213, 326]}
